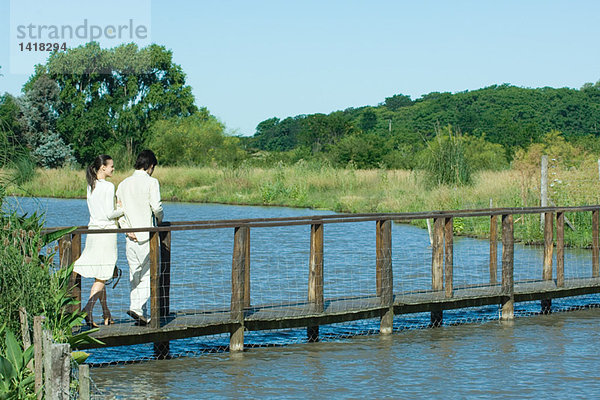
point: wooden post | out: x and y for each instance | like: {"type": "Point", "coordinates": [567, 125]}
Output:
{"type": "Point", "coordinates": [315, 277]}
{"type": "Point", "coordinates": [378, 257]}
{"type": "Point", "coordinates": [437, 266]}
{"type": "Point", "coordinates": [508, 285]}
{"type": "Point", "coordinates": [493, 250]}
{"type": "Point", "coordinates": [162, 349]}
{"type": "Point", "coordinates": [25, 333]}
{"type": "Point", "coordinates": [236, 339]}
{"type": "Point", "coordinates": [247, 302]}
{"type": "Point", "coordinates": [448, 256]}
{"type": "Point", "coordinates": [546, 304]}
{"type": "Point", "coordinates": [595, 244]}
{"type": "Point", "coordinates": [560, 249]}
{"type": "Point", "coordinates": [38, 354]}
{"type": "Point", "coordinates": [75, 281]}
{"type": "Point", "coordinates": [155, 301]}
{"type": "Point", "coordinates": [84, 382]}
{"type": "Point", "coordinates": [384, 228]}
{"type": "Point", "coordinates": [57, 368]}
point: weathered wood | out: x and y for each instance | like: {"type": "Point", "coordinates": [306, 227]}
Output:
{"type": "Point", "coordinates": [315, 276]}
{"type": "Point", "coordinates": [236, 340]}
{"type": "Point", "coordinates": [57, 368]}
{"type": "Point", "coordinates": [595, 243]}
{"type": "Point", "coordinates": [84, 382]}
{"type": "Point", "coordinates": [560, 249]}
{"type": "Point", "coordinates": [38, 354]}
{"type": "Point", "coordinates": [247, 302]}
{"type": "Point", "coordinates": [548, 246]}
{"type": "Point", "coordinates": [75, 281]}
{"type": "Point", "coordinates": [508, 284]}
{"type": "Point", "coordinates": [437, 255]}
{"type": "Point", "coordinates": [25, 336]}
{"type": "Point", "coordinates": [155, 300]}
{"type": "Point", "coordinates": [387, 279]}
{"type": "Point", "coordinates": [448, 256]}
{"type": "Point", "coordinates": [378, 257]}
{"type": "Point", "coordinates": [437, 266]}
{"type": "Point", "coordinates": [493, 249]}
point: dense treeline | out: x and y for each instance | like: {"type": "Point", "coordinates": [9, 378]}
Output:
{"type": "Point", "coordinates": [396, 132]}
{"type": "Point", "coordinates": [90, 100]}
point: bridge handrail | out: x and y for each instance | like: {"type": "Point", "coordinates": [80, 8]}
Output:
{"type": "Point", "coordinates": [331, 218]}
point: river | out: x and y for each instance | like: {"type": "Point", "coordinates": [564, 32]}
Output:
{"type": "Point", "coordinates": [473, 355]}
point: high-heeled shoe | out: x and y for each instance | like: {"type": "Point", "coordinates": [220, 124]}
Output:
{"type": "Point", "coordinates": [89, 320]}
{"type": "Point", "coordinates": [107, 318]}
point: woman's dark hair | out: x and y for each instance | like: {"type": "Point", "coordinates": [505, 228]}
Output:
{"type": "Point", "coordinates": [145, 160]}
{"type": "Point", "coordinates": [92, 170]}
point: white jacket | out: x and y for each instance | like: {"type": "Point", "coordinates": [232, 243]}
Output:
{"type": "Point", "coordinates": [140, 195]}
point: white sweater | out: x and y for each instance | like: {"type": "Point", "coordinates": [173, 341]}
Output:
{"type": "Point", "coordinates": [101, 204]}
{"type": "Point", "coordinates": [140, 195]}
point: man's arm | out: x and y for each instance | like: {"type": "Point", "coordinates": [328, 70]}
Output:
{"type": "Point", "coordinates": [155, 202]}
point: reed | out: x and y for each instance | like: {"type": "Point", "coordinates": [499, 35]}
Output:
{"type": "Point", "coordinates": [349, 190]}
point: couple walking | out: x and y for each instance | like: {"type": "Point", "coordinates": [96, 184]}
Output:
{"type": "Point", "coordinates": [137, 205]}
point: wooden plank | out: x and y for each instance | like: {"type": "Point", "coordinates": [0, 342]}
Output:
{"type": "Point", "coordinates": [75, 281]}
{"type": "Point", "coordinates": [162, 349]}
{"type": "Point", "coordinates": [247, 302]}
{"type": "Point", "coordinates": [437, 256]}
{"type": "Point", "coordinates": [315, 277]}
{"type": "Point", "coordinates": [508, 284]}
{"type": "Point", "coordinates": [84, 382]}
{"type": "Point", "coordinates": [548, 246]}
{"type": "Point", "coordinates": [437, 266]}
{"type": "Point", "coordinates": [155, 300]}
{"type": "Point", "coordinates": [378, 257]}
{"type": "Point", "coordinates": [493, 249]}
{"type": "Point", "coordinates": [448, 255]}
{"type": "Point", "coordinates": [595, 243]}
{"type": "Point", "coordinates": [236, 339]}
{"type": "Point", "coordinates": [560, 249]}
{"type": "Point", "coordinates": [387, 279]}
{"type": "Point", "coordinates": [38, 354]}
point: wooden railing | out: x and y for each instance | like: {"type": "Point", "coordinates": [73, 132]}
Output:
{"type": "Point", "coordinates": [441, 265]}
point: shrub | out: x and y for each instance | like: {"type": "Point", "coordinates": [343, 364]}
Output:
{"type": "Point", "coordinates": [444, 159]}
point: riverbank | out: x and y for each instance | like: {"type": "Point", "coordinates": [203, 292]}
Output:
{"type": "Point", "coordinates": [345, 190]}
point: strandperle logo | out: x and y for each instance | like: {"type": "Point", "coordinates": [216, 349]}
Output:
{"type": "Point", "coordinates": [86, 31]}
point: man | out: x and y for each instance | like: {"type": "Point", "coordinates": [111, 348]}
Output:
{"type": "Point", "coordinates": [139, 195]}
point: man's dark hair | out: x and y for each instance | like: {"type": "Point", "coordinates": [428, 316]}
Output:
{"type": "Point", "coordinates": [145, 160]}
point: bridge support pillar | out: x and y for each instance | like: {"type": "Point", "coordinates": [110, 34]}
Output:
{"type": "Point", "coordinates": [508, 285]}
{"type": "Point", "coordinates": [384, 276]}
{"type": "Point", "coordinates": [315, 278]}
{"type": "Point", "coordinates": [238, 275]}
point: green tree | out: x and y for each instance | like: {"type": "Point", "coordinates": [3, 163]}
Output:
{"type": "Point", "coordinates": [199, 139]}
{"type": "Point", "coordinates": [108, 98]}
{"type": "Point", "coordinates": [397, 101]}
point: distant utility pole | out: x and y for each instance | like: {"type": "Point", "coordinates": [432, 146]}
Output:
{"type": "Point", "coordinates": [544, 187]}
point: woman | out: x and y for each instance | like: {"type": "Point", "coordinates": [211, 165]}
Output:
{"type": "Point", "coordinates": [99, 257]}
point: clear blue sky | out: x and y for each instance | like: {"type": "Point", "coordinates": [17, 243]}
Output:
{"type": "Point", "coordinates": [251, 60]}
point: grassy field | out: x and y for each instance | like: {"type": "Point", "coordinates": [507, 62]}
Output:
{"type": "Point", "coordinates": [344, 190]}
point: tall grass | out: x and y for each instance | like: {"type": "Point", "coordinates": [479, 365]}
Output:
{"type": "Point", "coordinates": [347, 190]}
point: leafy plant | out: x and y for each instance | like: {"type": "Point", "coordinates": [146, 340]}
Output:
{"type": "Point", "coordinates": [16, 380]}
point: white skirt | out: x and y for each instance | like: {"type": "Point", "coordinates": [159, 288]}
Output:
{"type": "Point", "coordinates": [99, 257]}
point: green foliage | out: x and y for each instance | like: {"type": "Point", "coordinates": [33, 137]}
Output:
{"type": "Point", "coordinates": [483, 155]}
{"type": "Point", "coordinates": [397, 101]}
{"type": "Point", "coordinates": [16, 380]}
{"type": "Point", "coordinates": [112, 96]}
{"type": "Point", "coordinates": [444, 159]}
{"type": "Point", "coordinates": [39, 115]}
{"type": "Point", "coordinates": [360, 150]}
{"type": "Point", "coordinates": [195, 140]}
